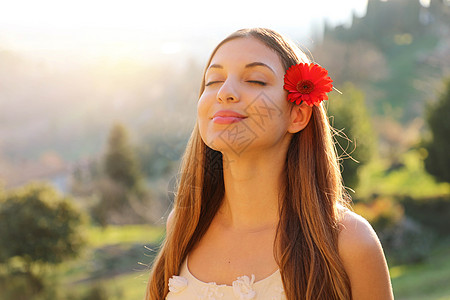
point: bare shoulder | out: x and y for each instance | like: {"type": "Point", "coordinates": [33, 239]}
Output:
{"type": "Point", "coordinates": [356, 234]}
{"type": "Point", "coordinates": [363, 258]}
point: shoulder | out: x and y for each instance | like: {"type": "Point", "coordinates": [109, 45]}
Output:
{"type": "Point", "coordinates": [363, 258]}
{"type": "Point", "coordinates": [356, 234]}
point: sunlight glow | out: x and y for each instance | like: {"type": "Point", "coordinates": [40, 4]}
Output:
{"type": "Point", "coordinates": [120, 28]}
{"type": "Point", "coordinates": [425, 3]}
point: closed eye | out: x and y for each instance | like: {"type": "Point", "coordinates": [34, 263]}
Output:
{"type": "Point", "coordinates": [257, 82]}
{"type": "Point", "coordinates": [212, 82]}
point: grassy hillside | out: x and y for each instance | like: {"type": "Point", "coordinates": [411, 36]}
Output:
{"type": "Point", "coordinates": [115, 263]}
{"type": "Point", "coordinates": [112, 265]}
{"type": "Point", "coordinates": [428, 280]}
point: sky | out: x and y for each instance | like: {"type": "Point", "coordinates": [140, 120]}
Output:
{"type": "Point", "coordinates": [136, 27]}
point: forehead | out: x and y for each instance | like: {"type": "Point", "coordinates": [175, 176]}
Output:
{"type": "Point", "coordinates": [242, 51]}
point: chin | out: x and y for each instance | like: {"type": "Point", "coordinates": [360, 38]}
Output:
{"type": "Point", "coordinates": [217, 144]}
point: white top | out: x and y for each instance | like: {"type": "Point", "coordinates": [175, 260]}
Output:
{"type": "Point", "coordinates": [187, 287]}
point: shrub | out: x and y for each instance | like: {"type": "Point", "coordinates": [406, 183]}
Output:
{"type": "Point", "coordinates": [431, 212]}
{"type": "Point", "coordinates": [404, 240]}
{"type": "Point", "coordinates": [383, 213]}
{"type": "Point", "coordinates": [438, 146]}
{"type": "Point", "coordinates": [39, 226]}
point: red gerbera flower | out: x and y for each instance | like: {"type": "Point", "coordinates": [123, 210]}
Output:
{"type": "Point", "coordinates": [307, 82]}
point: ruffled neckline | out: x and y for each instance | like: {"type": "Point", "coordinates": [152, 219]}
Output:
{"type": "Point", "coordinates": [239, 279]}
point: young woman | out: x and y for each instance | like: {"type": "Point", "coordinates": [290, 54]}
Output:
{"type": "Point", "coordinates": [260, 211]}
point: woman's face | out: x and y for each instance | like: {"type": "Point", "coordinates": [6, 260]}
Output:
{"type": "Point", "coordinates": [243, 108]}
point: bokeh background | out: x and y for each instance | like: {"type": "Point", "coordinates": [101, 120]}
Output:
{"type": "Point", "coordinates": [98, 99]}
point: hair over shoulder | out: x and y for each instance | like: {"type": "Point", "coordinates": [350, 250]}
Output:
{"type": "Point", "coordinates": [311, 201]}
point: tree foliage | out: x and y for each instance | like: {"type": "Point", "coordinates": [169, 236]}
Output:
{"type": "Point", "coordinates": [354, 136]}
{"type": "Point", "coordinates": [393, 53]}
{"type": "Point", "coordinates": [120, 162]}
{"type": "Point", "coordinates": [38, 226]}
{"type": "Point", "coordinates": [120, 188]}
{"type": "Point", "coordinates": [438, 147]}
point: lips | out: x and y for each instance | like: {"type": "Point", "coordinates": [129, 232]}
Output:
{"type": "Point", "coordinates": [227, 117]}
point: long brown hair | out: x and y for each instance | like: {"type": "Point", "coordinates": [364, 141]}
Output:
{"type": "Point", "coordinates": [306, 242]}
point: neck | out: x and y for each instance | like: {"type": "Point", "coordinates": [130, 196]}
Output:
{"type": "Point", "coordinates": [252, 186]}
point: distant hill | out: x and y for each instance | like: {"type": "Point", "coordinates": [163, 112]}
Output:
{"type": "Point", "coordinates": [66, 112]}
{"type": "Point", "coordinates": [397, 53]}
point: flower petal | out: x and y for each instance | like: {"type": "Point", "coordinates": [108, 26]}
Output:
{"type": "Point", "coordinates": [303, 72]}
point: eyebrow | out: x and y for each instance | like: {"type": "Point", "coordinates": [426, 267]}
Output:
{"type": "Point", "coordinates": [250, 65]}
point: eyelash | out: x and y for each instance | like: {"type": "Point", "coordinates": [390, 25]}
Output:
{"type": "Point", "coordinates": [211, 82]}
{"type": "Point", "coordinates": [257, 82]}
{"type": "Point", "coordinates": [251, 81]}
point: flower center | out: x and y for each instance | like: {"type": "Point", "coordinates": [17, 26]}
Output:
{"type": "Point", "coordinates": [305, 86]}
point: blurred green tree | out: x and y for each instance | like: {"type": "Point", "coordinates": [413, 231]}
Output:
{"type": "Point", "coordinates": [354, 136]}
{"type": "Point", "coordinates": [159, 155]}
{"type": "Point", "coordinates": [438, 145]}
{"type": "Point", "coordinates": [121, 190]}
{"type": "Point", "coordinates": [393, 52]}
{"type": "Point", "coordinates": [37, 227]}
{"type": "Point", "coordinates": [120, 162]}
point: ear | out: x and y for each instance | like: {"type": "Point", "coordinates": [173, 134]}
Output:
{"type": "Point", "coordinates": [300, 116]}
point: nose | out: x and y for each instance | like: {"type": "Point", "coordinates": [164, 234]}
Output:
{"type": "Point", "coordinates": [228, 91]}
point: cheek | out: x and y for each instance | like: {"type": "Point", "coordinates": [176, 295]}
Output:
{"type": "Point", "coordinates": [202, 116]}
{"type": "Point", "coordinates": [269, 107]}
{"type": "Point", "coordinates": [202, 107]}
{"type": "Point", "coordinates": [277, 116]}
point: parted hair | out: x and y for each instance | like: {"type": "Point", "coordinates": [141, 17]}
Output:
{"type": "Point", "coordinates": [311, 201]}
